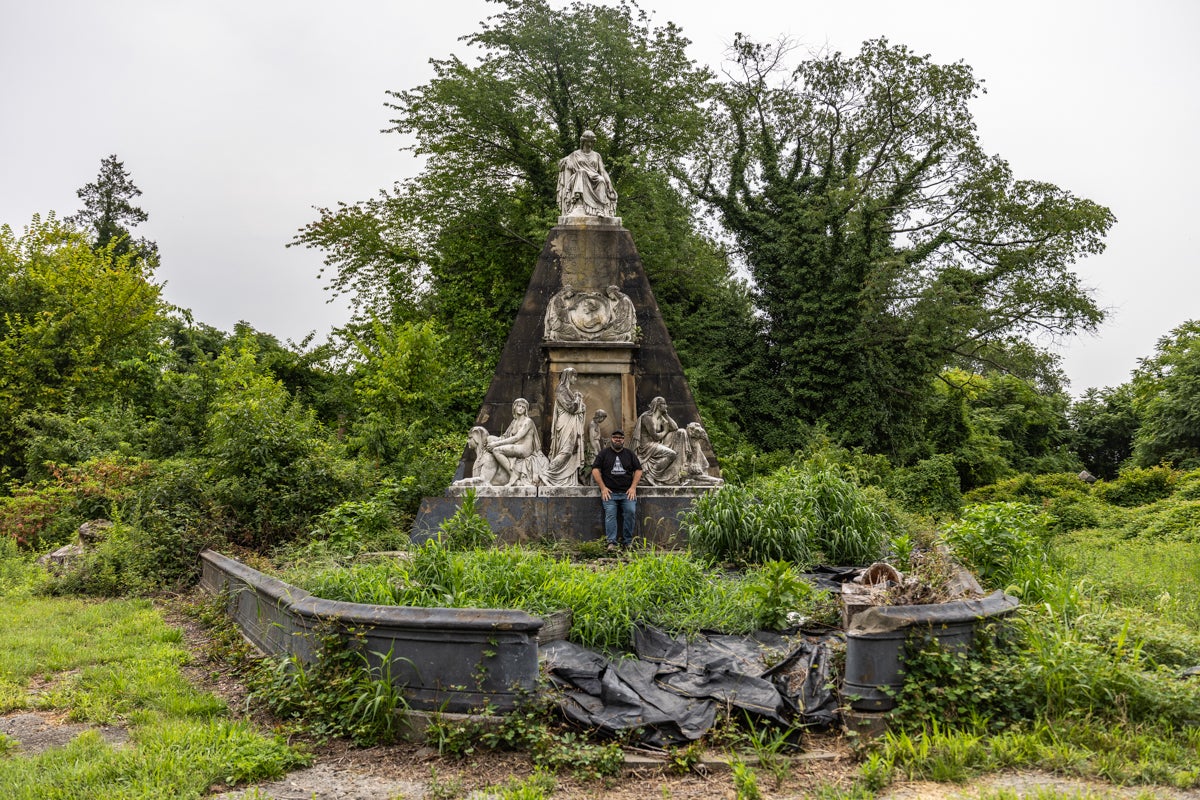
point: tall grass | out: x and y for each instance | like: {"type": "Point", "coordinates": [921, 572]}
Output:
{"type": "Point", "coordinates": [673, 590]}
{"type": "Point", "coordinates": [798, 514]}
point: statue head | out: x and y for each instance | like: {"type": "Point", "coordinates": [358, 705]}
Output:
{"type": "Point", "coordinates": [567, 377]}
{"type": "Point", "coordinates": [599, 416]}
{"type": "Point", "coordinates": [477, 437]}
{"type": "Point", "coordinates": [658, 404]}
{"type": "Point", "coordinates": [520, 407]}
{"type": "Point", "coordinates": [587, 140]}
{"type": "Point", "coordinates": [613, 292]}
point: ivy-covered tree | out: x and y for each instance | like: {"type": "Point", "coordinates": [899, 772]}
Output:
{"type": "Point", "coordinates": [109, 213]}
{"type": "Point", "coordinates": [884, 243]}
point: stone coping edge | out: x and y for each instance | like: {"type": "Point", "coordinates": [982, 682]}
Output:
{"type": "Point", "coordinates": [441, 659]}
{"type": "Point", "coordinates": [303, 604]}
{"type": "Point", "coordinates": [586, 492]}
{"type": "Point", "coordinates": [885, 619]}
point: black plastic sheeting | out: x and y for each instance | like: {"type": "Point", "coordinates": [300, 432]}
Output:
{"type": "Point", "coordinates": [672, 690]}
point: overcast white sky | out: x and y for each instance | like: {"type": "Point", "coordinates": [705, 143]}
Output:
{"type": "Point", "coordinates": [236, 117]}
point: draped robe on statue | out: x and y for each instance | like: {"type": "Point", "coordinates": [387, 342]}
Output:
{"type": "Point", "coordinates": [583, 182]}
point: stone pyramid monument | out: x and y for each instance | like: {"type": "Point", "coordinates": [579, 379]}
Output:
{"type": "Point", "coordinates": [589, 353]}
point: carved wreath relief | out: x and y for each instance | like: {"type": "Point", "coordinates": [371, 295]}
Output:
{"type": "Point", "coordinates": [578, 316]}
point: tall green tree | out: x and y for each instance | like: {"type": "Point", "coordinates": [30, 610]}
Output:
{"type": "Point", "coordinates": [459, 242]}
{"type": "Point", "coordinates": [75, 322]}
{"type": "Point", "coordinates": [883, 242]}
{"type": "Point", "coordinates": [1104, 423]}
{"type": "Point", "coordinates": [1166, 388]}
{"type": "Point", "coordinates": [109, 213]}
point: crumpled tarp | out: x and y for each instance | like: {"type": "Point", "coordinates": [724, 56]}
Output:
{"type": "Point", "coordinates": [672, 690]}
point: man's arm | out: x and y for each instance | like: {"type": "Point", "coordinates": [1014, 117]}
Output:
{"type": "Point", "coordinates": [631, 492]}
{"type": "Point", "coordinates": [604, 492]}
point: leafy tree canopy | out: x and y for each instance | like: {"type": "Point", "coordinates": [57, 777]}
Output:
{"type": "Point", "coordinates": [884, 243]}
{"type": "Point", "coordinates": [74, 323]}
{"type": "Point", "coordinates": [1104, 423]}
{"type": "Point", "coordinates": [1166, 389]}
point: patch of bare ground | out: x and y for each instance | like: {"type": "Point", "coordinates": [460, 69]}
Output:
{"type": "Point", "coordinates": [37, 731]}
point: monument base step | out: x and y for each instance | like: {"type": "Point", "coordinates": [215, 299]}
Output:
{"type": "Point", "coordinates": [552, 513]}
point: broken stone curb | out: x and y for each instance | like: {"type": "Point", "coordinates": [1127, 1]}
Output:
{"type": "Point", "coordinates": [441, 659]}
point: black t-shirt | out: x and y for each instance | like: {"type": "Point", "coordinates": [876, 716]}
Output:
{"type": "Point", "coordinates": [616, 469]}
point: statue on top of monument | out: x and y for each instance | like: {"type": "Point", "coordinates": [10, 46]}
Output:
{"type": "Point", "coordinates": [584, 187]}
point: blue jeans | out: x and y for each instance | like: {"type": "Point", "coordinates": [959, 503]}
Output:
{"type": "Point", "coordinates": [628, 515]}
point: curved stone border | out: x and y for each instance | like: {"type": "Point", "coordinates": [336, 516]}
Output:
{"type": "Point", "coordinates": [876, 638]}
{"type": "Point", "coordinates": [444, 659]}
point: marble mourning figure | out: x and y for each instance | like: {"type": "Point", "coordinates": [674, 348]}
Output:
{"type": "Point", "coordinates": [661, 445]}
{"type": "Point", "coordinates": [696, 468]}
{"type": "Point", "coordinates": [514, 458]}
{"type": "Point", "coordinates": [584, 188]}
{"type": "Point", "coordinates": [566, 433]}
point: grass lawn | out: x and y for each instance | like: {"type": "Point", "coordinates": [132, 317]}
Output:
{"type": "Point", "coordinates": [116, 662]}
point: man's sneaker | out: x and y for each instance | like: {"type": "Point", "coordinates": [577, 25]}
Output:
{"type": "Point", "coordinates": [612, 548]}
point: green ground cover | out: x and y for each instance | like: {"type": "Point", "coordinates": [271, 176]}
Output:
{"type": "Point", "coordinates": [116, 662]}
{"type": "Point", "coordinates": [674, 590]}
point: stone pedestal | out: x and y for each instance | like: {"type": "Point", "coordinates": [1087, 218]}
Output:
{"type": "Point", "coordinates": [520, 515]}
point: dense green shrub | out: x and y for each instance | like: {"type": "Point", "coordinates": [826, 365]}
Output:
{"type": "Point", "coordinates": [1005, 544]}
{"type": "Point", "coordinates": [466, 529]}
{"type": "Point", "coordinates": [1026, 488]}
{"type": "Point", "coordinates": [1073, 513]}
{"type": "Point", "coordinates": [1044, 667]}
{"type": "Point", "coordinates": [17, 571]}
{"type": "Point", "coordinates": [931, 486]}
{"type": "Point", "coordinates": [746, 462]}
{"type": "Point", "coordinates": [271, 464]}
{"type": "Point", "coordinates": [357, 526]}
{"type": "Point", "coordinates": [1187, 485]}
{"type": "Point", "coordinates": [1137, 486]}
{"type": "Point", "coordinates": [46, 514]}
{"type": "Point", "coordinates": [112, 431]}
{"type": "Point", "coordinates": [1170, 519]}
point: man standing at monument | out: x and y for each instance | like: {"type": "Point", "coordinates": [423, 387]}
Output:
{"type": "Point", "coordinates": [617, 472]}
